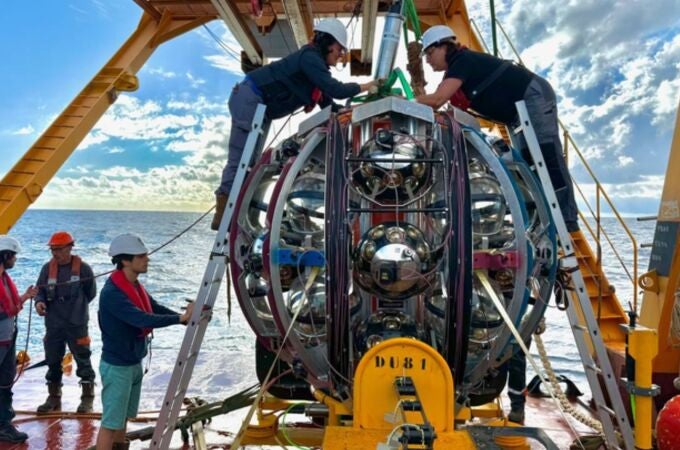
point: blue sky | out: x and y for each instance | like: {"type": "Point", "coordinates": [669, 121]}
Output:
{"type": "Point", "coordinates": [614, 65]}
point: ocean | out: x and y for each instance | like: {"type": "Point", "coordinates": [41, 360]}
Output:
{"type": "Point", "coordinates": [226, 363]}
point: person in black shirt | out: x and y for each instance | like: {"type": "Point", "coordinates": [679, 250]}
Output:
{"type": "Point", "coordinates": [490, 87]}
{"type": "Point", "coordinates": [301, 79]}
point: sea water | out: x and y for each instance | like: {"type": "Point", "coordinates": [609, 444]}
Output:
{"type": "Point", "coordinates": [226, 363]}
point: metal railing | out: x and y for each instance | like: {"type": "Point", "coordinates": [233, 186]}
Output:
{"type": "Point", "coordinates": [600, 193]}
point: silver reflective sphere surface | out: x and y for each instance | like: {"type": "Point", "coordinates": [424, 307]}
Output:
{"type": "Point", "coordinates": [394, 260]}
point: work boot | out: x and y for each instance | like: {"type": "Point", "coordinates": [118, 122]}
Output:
{"type": "Point", "coordinates": [517, 416]}
{"type": "Point", "coordinates": [9, 433]}
{"type": "Point", "coordinates": [53, 402]}
{"type": "Point", "coordinates": [220, 205]}
{"type": "Point", "coordinates": [87, 397]}
{"type": "Point", "coordinates": [121, 445]}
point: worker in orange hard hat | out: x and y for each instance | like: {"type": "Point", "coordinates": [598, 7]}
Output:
{"type": "Point", "coordinates": [66, 288]}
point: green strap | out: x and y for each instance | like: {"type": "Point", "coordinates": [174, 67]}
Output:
{"type": "Point", "coordinates": [386, 89]}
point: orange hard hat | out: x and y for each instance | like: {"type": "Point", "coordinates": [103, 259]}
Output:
{"type": "Point", "coordinates": [61, 238]}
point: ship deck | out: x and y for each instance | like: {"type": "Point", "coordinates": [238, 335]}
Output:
{"type": "Point", "coordinates": [76, 432]}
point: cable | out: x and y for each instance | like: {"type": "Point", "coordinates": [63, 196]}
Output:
{"type": "Point", "coordinates": [28, 335]}
{"type": "Point", "coordinates": [508, 321]}
{"type": "Point", "coordinates": [239, 436]}
{"type": "Point", "coordinates": [165, 244]}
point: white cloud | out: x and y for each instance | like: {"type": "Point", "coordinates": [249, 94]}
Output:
{"type": "Point", "coordinates": [624, 161]}
{"type": "Point", "coordinates": [193, 81]}
{"type": "Point", "coordinates": [23, 131]}
{"type": "Point", "coordinates": [114, 150]}
{"type": "Point", "coordinates": [160, 72]}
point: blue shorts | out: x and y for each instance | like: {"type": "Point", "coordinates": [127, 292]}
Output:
{"type": "Point", "coordinates": [122, 387]}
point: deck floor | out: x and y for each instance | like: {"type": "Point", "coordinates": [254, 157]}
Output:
{"type": "Point", "coordinates": [72, 433]}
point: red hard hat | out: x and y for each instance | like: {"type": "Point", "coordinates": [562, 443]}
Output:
{"type": "Point", "coordinates": [61, 238]}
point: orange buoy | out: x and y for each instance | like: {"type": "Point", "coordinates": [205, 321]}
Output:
{"type": "Point", "coordinates": [668, 425]}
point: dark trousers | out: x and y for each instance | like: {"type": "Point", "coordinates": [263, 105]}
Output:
{"type": "Point", "coordinates": [542, 108]}
{"type": "Point", "coordinates": [517, 378]}
{"type": "Point", "coordinates": [242, 104]}
{"type": "Point", "coordinates": [8, 370]}
{"type": "Point", "coordinates": [78, 340]}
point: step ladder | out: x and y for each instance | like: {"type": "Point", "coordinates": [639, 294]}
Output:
{"type": "Point", "coordinates": [587, 334]}
{"type": "Point", "coordinates": [207, 294]}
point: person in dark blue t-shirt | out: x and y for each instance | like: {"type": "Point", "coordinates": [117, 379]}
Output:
{"type": "Point", "coordinates": [490, 87]}
{"type": "Point", "coordinates": [127, 315]}
{"type": "Point", "coordinates": [301, 79]}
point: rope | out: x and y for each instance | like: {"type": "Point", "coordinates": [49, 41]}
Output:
{"type": "Point", "coordinates": [559, 394]}
{"type": "Point", "coordinates": [30, 313]}
{"type": "Point", "coordinates": [241, 432]}
{"type": "Point", "coordinates": [21, 371]}
{"type": "Point", "coordinates": [675, 321]}
{"type": "Point", "coordinates": [483, 278]}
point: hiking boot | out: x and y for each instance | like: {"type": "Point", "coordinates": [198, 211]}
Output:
{"type": "Point", "coordinates": [517, 416]}
{"type": "Point", "coordinates": [9, 433]}
{"type": "Point", "coordinates": [87, 397]}
{"type": "Point", "coordinates": [53, 402]}
{"type": "Point", "coordinates": [220, 205]}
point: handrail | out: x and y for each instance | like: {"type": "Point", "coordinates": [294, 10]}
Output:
{"type": "Point", "coordinates": [599, 192]}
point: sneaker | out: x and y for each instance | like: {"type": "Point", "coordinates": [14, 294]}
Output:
{"type": "Point", "coordinates": [8, 433]}
{"type": "Point", "coordinates": [517, 416]}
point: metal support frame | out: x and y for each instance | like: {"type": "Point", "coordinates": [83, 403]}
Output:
{"type": "Point", "coordinates": [580, 312]}
{"type": "Point", "coordinates": [300, 21]}
{"type": "Point", "coordinates": [368, 20]}
{"type": "Point", "coordinates": [232, 18]}
{"type": "Point", "coordinates": [207, 294]}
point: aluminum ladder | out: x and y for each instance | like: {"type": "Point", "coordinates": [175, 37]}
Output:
{"type": "Point", "coordinates": [586, 336]}
{"type": "Point", "coordinates": [207, 294]}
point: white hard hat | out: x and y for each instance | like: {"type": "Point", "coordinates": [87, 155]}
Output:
{"type": "Point", "coordinates": [127, 244]}
{"type": "Point", "coordinates": [335, 28]}
{"type": "Point", "coordinates": [436, 34]}
{"type": "Point", "coordinates": [9, 243]}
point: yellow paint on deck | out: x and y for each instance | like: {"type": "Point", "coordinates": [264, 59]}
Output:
{"type": "Point", "coordinates": [345, 438]}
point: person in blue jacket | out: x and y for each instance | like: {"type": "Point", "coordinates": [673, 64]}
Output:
{"type": "Point", "coordinates": [301, 79]}
{"type": "Point", "coordinates": [127, 316]}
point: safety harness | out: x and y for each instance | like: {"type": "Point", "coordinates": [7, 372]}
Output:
{"type": "Point", "coordinates": [11, 304]}
{"type": "Point", "coordinates": [53, 272]}
{"type": "Point", "coordinates": [462, 101]}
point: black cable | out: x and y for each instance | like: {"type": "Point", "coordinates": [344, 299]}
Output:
{"type": "Point", "coordinates": [171, 240]}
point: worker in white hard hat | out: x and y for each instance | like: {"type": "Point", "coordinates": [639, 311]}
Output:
{"type": "Point", "coordinates": [127, 316]}
{"type": "Point", "coordinates": [301, 79]}
{"type": "Point", "coordinates": [490, 87]}
{"type": "Point", "coordinates": [10, 305]}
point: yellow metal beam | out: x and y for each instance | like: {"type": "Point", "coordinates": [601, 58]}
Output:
{"type": "Point", "coordinates": [25, 182]}
{"type": "Point", "coordinates": [658, 300]}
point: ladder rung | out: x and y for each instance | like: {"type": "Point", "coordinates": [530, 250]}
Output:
{"type": "Point", "coordinates": [606, 409]}
{"type": "Point", "coordinates": [594, 368]}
